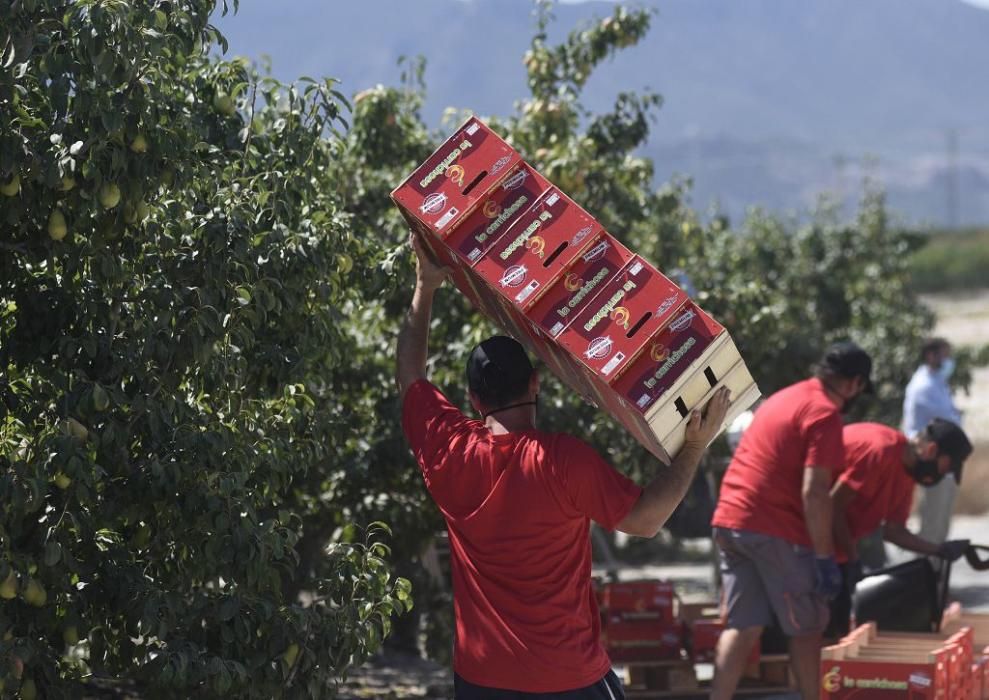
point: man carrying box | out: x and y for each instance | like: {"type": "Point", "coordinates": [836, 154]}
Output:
{"type": "Point", "coordinates": [876, 489]}
{"type": "Point", "coordinates": [773, 521]}
{"type": "Point", "coordinates": [518, 504]}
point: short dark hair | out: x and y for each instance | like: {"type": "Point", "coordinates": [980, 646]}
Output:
{"type": "Point", "coordinates": [498, 371]}
{"type": "Point", "coordinates": [846, 359]}
{"type": "Point", "coordinates": [951, 441]}
{"type": "Point", "coordinates": [932, 345]}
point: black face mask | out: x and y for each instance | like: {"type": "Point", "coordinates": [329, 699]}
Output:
{"type": "Point", "coordinates": [926, 473]}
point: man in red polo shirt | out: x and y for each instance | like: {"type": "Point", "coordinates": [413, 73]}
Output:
{"type": "Point", "coordinates": [518, 503]}
{"type": "Point", "coordinates": [773, 524]}
{"type": "Point", "coordinates": [876, 489]}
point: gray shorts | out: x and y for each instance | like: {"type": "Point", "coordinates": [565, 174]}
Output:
{"type": "Point", "coordinates": [763, 576]}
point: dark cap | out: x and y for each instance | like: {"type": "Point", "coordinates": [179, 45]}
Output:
{"type": "Point", "coordinates": [952, 441]}
{"type": "Point", "coordinates": [498, 370]}
{"type": "Point", "coordinates": [849, 360]}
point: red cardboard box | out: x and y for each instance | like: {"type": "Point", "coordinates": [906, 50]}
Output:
{"type": "Point", "coordinates": [526, 260]}
{"type": "Point", "coordinates": [612, 330]}
{"type": "Point", "coordinates": [641, 640]}
{"type": "Point", "coordinates": [455, 178]}
{"type": "Point", "coordinates": [641, 596]}
{"type": "Point", "coordinates": [865, 679]}
{"type": "Point", "coordinates": [703, 639]}
{"type": "Point", "coordinates": [579, 283]}
{"type": "Point", "coordinates": [684, 339]}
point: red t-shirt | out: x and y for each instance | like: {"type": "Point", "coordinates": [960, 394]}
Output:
{"type": "Point", "coordinates": [795, 428]}
{"type": "Point", "coordinates": [874, 470]}
{"type": "Point", "coordinates": [518, 509]}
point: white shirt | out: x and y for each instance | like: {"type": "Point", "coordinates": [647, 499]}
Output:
{"type": "Point", "coordinates": [928, 396]}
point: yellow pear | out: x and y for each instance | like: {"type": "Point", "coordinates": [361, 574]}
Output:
{"type": "Point", "coordinates": [224, 104]}
{"type": "Point", "coordinates": [8, 589]}
{"type": "Point", "coordinates": [57, 227]}
{"type": "Point", "coordinates": [73, 428]}
{"type": "Point", "coordinates": [139, 144]}
{"type": "Point", "coordinates": [344, 263]}
{"type": "Point", "coordinates": [29, 691]}
{"type": "Point", "coordinates": [291, 654]}
{"type": "Point", "coordinates": [70, 635]}
{"type": "Point", "coordinates": [35, 594]}
{"type": "Point", "coordinates": [109, 195]}
{"type": "Point", "coordinates": [11, 187]}
{"type": "Point", "coordinates": [68, 183]}
{"type": "Point", "coordinates": [62, 481]}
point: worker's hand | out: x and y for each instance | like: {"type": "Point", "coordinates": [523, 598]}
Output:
{"type": "Point", "coordinates": [428, 273]}
{"type": "Point", "coordinates": [828, 577]}
{"type": "Point", "coordinates": [853, 573]}
{"type": "Point", "coordinates": [952, 550]}
{"type": "Point", "coordinates": [704, 425]}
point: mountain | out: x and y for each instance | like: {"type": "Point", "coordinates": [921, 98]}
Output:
{"type": "Point", "coordinates": [766, 102]}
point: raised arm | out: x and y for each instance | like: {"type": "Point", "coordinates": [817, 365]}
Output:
{"type": "Point", "coordinates": [663, 494]}
{"type": "Point", "coordinates": [413, 336]}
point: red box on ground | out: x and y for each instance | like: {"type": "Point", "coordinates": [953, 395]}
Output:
{"type": "Point", "coordinates": [641, 596]}
{"type": "Point", "coordinates": [641, 640]}
{"type": "Point", "coordinates": [610, 332]}
{"type": "Point", "coordinates": [703, 638]}
{"type": "Point", "coordinates": [455, 178]}
{"type": "Point", "coordinates": [579, 283]}
{"type": "Point", "coordinates": [526, 260]}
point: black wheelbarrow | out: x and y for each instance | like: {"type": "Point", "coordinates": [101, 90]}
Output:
{"type": "Point", "coordinates": [910, 597]}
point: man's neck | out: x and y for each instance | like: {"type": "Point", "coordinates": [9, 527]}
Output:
{"type": "Point", "coordinates": [514, 420]}
{"type": "Point", "coordinates": [836, 398]}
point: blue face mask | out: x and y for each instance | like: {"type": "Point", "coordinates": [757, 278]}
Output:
{"type": "Point", "coordinates": [947, 368]}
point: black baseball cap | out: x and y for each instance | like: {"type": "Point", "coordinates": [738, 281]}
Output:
{"type": "Point", "coordinates": [498, 370]}
{"type": "Point", "coordinates": [952, 441]}
{"type": "Point", "coordinates": [849, 360]}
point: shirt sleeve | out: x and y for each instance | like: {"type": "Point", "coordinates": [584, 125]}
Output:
{"type": "Point", "coordinates": [899, 510]}
{"type": "Point", "coordinates": [822, 435]}
{"type": "Point", "coordinates": [593, 486]}
{"type": "Point", "coordinates": [855, 475]}
{"type": "Point", "coordinates": [431, 425]}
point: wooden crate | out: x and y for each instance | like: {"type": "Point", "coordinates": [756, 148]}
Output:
{"type": "Point", "coordinates": [674, 675]}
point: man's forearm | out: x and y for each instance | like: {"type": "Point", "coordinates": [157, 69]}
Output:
{"type": "Point", "coordinates": [413, 338]}
{"type": "Point", "coordinates": [901, 537]}
{"type": "Point", "coordinates": [667, 489]}
{"type": "Point", "coordinates": [817, 513]}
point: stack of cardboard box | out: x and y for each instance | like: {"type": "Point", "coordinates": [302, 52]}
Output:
{"type": "Point", "coordinates": [641, 622]}
{"type": "Point", "coordinates": [604, 320]}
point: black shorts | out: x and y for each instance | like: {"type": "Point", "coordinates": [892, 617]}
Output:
{"type": "Point", "coordinates": [608, 688]}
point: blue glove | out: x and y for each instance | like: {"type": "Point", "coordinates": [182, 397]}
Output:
{"type": "Point", "coordinates": [952, 550]}
{"type": "Point", "coordinates": [853, 573]}
{"type": "Point", "coordinates": [828, 577]}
